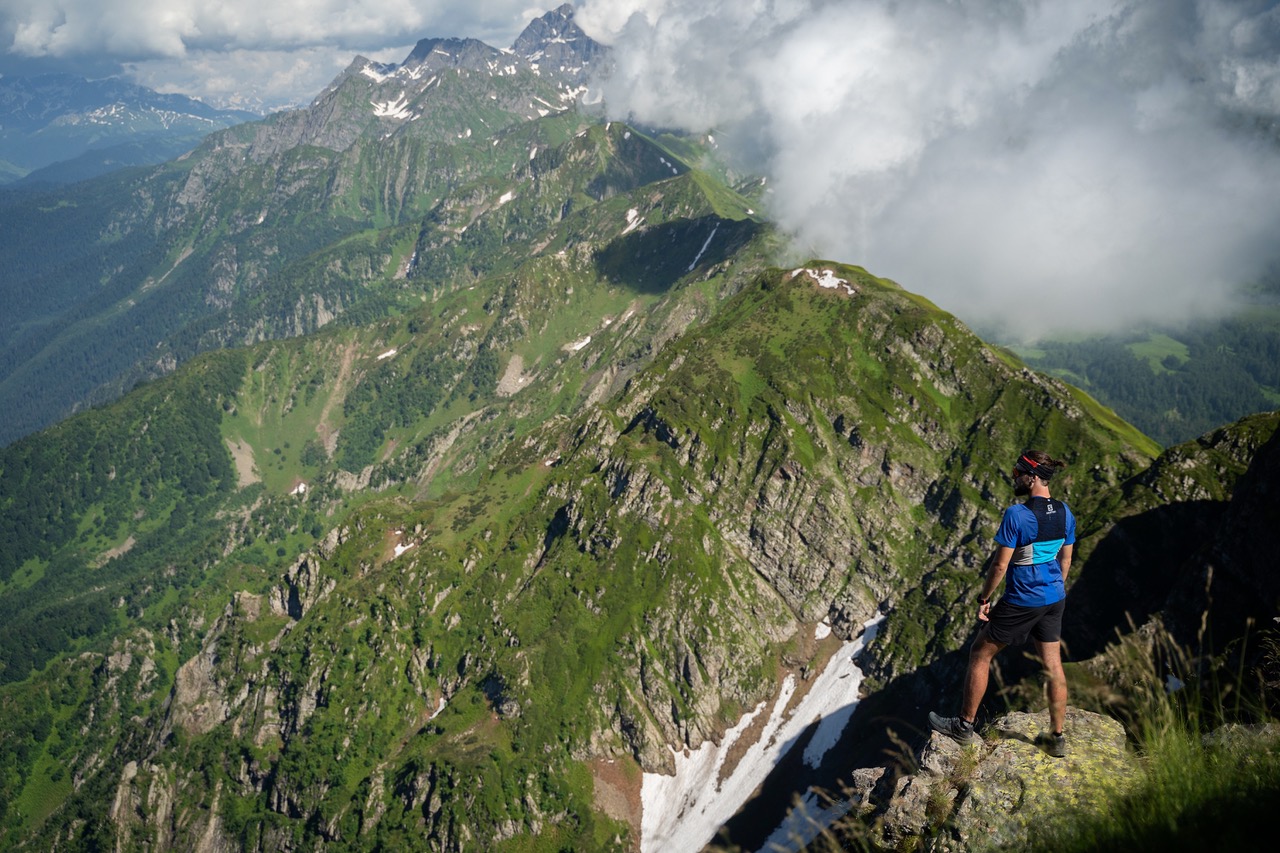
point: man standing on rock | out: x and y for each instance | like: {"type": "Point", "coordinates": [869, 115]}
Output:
{"type": "Point", "coordinates": [1034, 546]}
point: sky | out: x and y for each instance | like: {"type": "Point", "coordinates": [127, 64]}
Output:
{"type": "Point", "coordinates": [1035, 166]}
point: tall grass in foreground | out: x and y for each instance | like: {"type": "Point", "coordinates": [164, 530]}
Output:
{"type": "Point", "coordinates": [1206, 744]}
{"type": "Point", "coordinates": [1208, 749]}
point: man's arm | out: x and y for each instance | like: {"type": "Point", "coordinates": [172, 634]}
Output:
{"type": "Point", "coordinates": [1064, 560]}
{"type": "Point", "coordinates": [999, 564]}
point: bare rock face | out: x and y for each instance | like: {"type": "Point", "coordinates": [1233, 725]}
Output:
{"type": "Point", "coordinates": [967, 798]}
{"type": "Point", "coordinates": [302, 587]}
{"type": "Point", "coordinates": [199, 702]}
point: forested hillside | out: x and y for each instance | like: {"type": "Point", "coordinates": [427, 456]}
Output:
{"type": "Point", "coordinates": [432, 466]}
{"type": "Point", "coordinates": [275, 228]}
{"type": "Point", "coordinates": [60, 128]}
{"type": "Point", "coordinates": [1177, 384]}
{"type": "Point", "coordinates": [487, 585]}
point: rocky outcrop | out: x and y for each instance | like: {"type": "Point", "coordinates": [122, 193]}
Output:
{"type": "Point", "coordinates": [1182, 542]}
{"type": "Point", "coordinates": [970, 798]}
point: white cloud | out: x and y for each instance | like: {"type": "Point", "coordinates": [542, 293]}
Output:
{"type": "Point", "coordinates": [1115, 159]}
{"type": "Point", "coordinates": [278, 52]}
{"type": "Point", "coordinates": [134, 29]}
{"type": "Point", "coordinates": [1045, 165]}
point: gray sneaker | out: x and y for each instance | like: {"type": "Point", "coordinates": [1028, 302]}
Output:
{"type": "Point", "coordinates": [960, 731]}
{"type": "Point", "coordinates": [1055, 745]}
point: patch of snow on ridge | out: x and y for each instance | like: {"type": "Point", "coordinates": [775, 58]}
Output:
{"type": "Point", "coordinates": [634, 219]}
{"type": "Point", "coordinates": [683, 812]}
{"type": "Point", "coordinates": [826, 279]}
{"type": "Point", "coordinates": [378, 73]}
{"type": "Point", "coordinates": [399, 108]}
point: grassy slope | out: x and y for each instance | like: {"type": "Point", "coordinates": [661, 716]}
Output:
{"type": "Point", "coordinates": [877, 410]}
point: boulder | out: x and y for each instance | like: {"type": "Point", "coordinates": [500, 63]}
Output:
{"type": "Point", "coordinates": [968, 798]}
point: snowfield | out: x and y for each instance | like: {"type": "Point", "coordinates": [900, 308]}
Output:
{"type": "Point", "coordinates": [683, 812]}
{"type": "Point", "coordinates": [827, 279]}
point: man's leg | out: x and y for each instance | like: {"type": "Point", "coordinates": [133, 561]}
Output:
{"type": "Point", "coordinates": [1051, 654]}
{"type": "Point", "coordinates": [981, 653]}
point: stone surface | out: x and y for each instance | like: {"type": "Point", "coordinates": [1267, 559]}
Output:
{"type": "Point", "coordinates": [969, 798]}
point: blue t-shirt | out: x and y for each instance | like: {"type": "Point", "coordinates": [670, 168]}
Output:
{"type": "Point", "coordinates": [1036, 531]}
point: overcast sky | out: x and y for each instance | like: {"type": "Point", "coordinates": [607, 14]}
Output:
{"type": "Point", "coordinates": [1065, 164]}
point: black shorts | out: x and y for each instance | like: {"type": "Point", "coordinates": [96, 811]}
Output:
{"type": "Point", "coordinates": [1011, 624]}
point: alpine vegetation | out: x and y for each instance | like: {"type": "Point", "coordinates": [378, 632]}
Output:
{"type": "Point", "coordinates": [445, 466]}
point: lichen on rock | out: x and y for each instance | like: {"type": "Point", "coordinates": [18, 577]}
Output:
{"type": "Point", "coordinates": [993, 796]}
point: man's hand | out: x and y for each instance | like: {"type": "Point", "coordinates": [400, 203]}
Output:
{"type": "Point", "coordinates": [984, 608]}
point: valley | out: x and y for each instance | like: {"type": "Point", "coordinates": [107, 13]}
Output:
{"type": "Point", "coordinates": [448, 466]}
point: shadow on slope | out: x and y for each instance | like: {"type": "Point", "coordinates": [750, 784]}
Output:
{"type": "Point", "coordinates": [1133, 570]}
{"type": "Point", "coordinates": [651, 260]}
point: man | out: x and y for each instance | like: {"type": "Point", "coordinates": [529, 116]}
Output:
{"type": "Point", "coordinates": [1034, 545]}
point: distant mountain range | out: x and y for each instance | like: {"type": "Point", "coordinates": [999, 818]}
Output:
{"type": "Point", "coordinates": [58, 128]}
{"type": "Point", "coordinates": [247, 237]}
{"type": "Point", "coordinates": [438, 465]}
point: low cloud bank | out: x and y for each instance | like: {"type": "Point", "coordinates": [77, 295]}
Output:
{"type": "Point", "coordinates": [1033, 166]}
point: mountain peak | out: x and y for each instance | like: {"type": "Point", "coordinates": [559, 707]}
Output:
{"type": "Point", "coordinates": [556, 41]}
{"type": "Point", "coordinates": [437, 53]}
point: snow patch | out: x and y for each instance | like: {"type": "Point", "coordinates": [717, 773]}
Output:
{"type": "Point", "coordinates": [506, 197]}
{"type": "Point", "coordinates": [701, 251]}
{"type": "Point", "coordinates": [804, 823]}
{"type": "Point", "coordinates": [399, 108]}
{"type": "Point", "coordinates": [683, 812]}
{"type": "Point", "coordinates": [822, 631]}
{"type": "Point", "coordinates": [577, 345]}
{"type": "Point", "coordinates": [634, 220]}
{"type": "Point", "coordinates": [378, 73]}
{"type": "Point", "coordinates": [387, 354]}
{"type": "Point", "coordinates": [826, 279]}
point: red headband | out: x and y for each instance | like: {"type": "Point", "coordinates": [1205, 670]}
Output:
{"type": "Point", "coordinates": [1027, 465]}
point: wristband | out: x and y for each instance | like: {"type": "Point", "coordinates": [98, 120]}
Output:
{"type": "Point", "coordinates": [982, 602]}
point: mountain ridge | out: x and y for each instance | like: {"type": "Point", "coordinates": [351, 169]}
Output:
{"type": "Point", "coordinates": [49, 120]}
{"type": "Point", "coordinates": [562, 522]}
{"type": "Point", "coordinates": [472, 474]}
